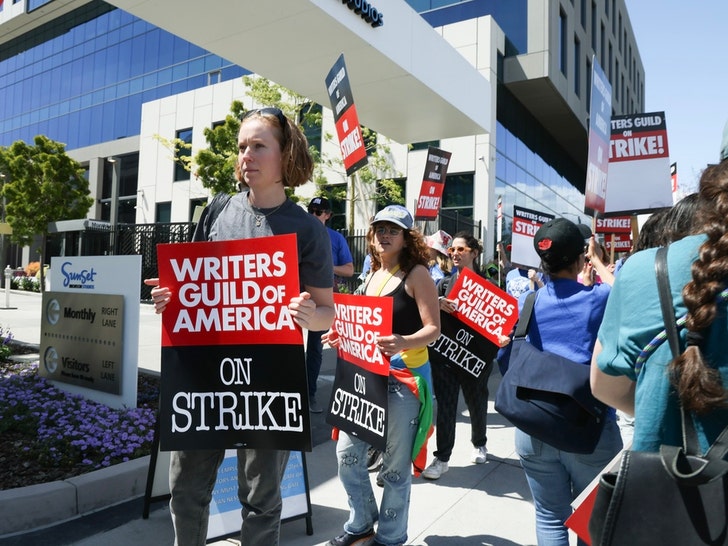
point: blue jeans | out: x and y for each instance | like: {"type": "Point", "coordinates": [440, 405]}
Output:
{"type": "Point", "coordinates": [556, 478]}
{"type": "Point", "coordinates": [351, 452]}
{"type": "Point", "coordinates": [192, 476]}
{"type": "Point", "coordinates": [314, 355]}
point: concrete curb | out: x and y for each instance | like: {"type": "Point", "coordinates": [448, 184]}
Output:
{"type": "Point", "coordinates": [37, 506]}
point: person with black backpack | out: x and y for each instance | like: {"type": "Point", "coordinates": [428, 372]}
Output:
{"type": "Point", "coordinates": [273, 155]}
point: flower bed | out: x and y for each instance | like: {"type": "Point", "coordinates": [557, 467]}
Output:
{"type": "Point", "coordinates": [49, 434]}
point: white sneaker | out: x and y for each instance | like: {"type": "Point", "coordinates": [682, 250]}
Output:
{"type": "Point", "coordinates": [436, 469]}
{"type": "Point", "coordinates": [479, 455]}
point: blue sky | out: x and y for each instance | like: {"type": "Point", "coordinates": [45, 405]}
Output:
{"type": "Point", "coordinates": [682, 45]}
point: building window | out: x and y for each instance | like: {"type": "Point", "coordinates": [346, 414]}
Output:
{"type": "Point", "coordinates": [424, 145]}
{"type": "Point", "coordinates": [458, 194]}
{"type": "Point", "coordinates": [588, 84]}
{"type": "Point", "coordinates": [610, 64]}
{"type": "Point", "coordinates": [594, 26]}
{"type": "Point", "coordinates": [577, 66]}
{"type": "Point", "coordinates": [214, 77]}
{"type": "Point", "coordinates": [337, 197]}
{"type": "Point", "coordinates": [311, 120]}
{"type": "Point", "coordinates": [163, 212]}
{"type": "Point", "coordinates": [183, 151]}
{"type": "Point", "coordinates": [583, 14]}
{"type": "Point", "coordinates": [563, 60]}
{"type": "Point", "coordinates": [602, 47]}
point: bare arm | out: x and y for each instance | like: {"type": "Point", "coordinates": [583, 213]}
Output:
{"type": "Point", "coordinates": [314, 308]}
{"type": "Point", "coordinates": [346, 270]}
{"type": "Point", "coordinates": [615, 391]}
{"type": "Point", "coordinates": [594, 253]}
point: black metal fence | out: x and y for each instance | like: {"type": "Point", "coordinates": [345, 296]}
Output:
{"type": "Point", "coordinates": [127, 239]}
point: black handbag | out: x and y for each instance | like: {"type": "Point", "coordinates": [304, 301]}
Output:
{"type": "Point", "coordinates": [674, 496]}
{"type": "Point", "coordinates": [548, 396]}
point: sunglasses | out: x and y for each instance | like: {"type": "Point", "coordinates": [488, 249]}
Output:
{"type": "Point", "coordinates": [275, 112]}
{"type": "Point", "coordinates": [458, 249]}
{"type": "Point", "coordinates": [318, 212]}
{"type": "Point", "coordinates": [393, 231]}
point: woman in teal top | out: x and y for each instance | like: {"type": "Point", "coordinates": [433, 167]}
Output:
{"type": "Point", "coordinates": [698, 271]}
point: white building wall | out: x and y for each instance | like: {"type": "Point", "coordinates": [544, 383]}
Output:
{"type": "Point", "coordinates": [477, 40]}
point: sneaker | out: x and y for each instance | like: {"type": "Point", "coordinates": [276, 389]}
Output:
{"type": "Point", "coordinates": [374, 459]}
{"type": "Point", "coordinates": [348, 539]}
{"type": "Point", "coordinates": [479, 455]}
{"type": "Point", "coordinates": [313, 406]}
{"type": "Point", "coordinates": [436, 469]}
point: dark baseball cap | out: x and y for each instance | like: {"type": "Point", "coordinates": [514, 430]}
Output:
{"type": "Point", "coordinates": [559, 242]}
{"type": "Point", "coordinates": [319, 203]}
{"type": "Point", "coordinates": [585, 230]}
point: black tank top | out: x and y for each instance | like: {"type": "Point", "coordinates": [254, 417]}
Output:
{"type": "Point", "coordinates": [406, 315]}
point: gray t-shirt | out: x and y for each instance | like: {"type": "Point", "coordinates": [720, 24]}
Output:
{"type": "Point", "coordinates": [238, 220]}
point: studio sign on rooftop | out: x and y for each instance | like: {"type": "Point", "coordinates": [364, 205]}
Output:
{"type": "Point", "coordinates": [366, 11]}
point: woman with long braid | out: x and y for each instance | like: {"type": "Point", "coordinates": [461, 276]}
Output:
{"type": "Point", "coordinates": [697, 378]}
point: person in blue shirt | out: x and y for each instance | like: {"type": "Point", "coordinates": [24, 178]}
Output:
{"type": "Point", "coordinates": [566, 317]}
{"type": "Point", "coordinates": [343, 268]}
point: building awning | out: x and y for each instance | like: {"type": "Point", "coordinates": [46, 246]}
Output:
{"type": "Point", "coordinates": [408, 82]}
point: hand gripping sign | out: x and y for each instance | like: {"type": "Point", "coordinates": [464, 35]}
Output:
{"type": "Point", "coordinates": [358, 403]}
{"type": "Point", "coordinates": [233, 368]}
{"type": "Point", "coordinates": [468, 341]}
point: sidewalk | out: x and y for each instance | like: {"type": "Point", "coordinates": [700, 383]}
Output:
{"type": "Point", "coordinates": [471, 505]}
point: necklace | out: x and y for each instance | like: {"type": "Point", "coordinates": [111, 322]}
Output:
{"type": "Point", "coordinates": [260, 217]}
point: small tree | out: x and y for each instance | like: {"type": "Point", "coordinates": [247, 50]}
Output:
{"type": "Point", "coordinates": [215, 165]}
{"type": "Point", "coordinates": [42, 185]}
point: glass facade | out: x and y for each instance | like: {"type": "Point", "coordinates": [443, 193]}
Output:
{"type": "Point", "coordinates": [511, 16]}
{"type": "Point", "coordinates": [82, 78]}
{"type": "Point", "coordinates": [531, 169]}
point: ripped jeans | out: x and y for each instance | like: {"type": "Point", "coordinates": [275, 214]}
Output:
{"type": "Point", "coordinates": [351, 453]}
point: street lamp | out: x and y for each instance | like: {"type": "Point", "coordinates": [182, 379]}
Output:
{"type": "Point", "coordinates": [114, 213]}
{"type": "Point", "coordinates": [115, 175]}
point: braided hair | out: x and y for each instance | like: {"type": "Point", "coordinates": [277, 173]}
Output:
{"type": "Point", "coordinates": [698, 384]}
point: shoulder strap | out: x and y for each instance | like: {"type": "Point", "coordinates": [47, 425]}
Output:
{"type": "Point", "coordinates": [690, 436]}
{"type": "Point", "coordinates": [663, 289]}
{"type": "Point", "coordinates": [524, 319]}
{"type": "Point", "coordinates": [715, 464]}
{"type": "Point", "coordinates": [212, 211]}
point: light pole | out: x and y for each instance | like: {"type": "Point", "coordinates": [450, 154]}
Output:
{"type": "Point", "coordinates": [114, 213]}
